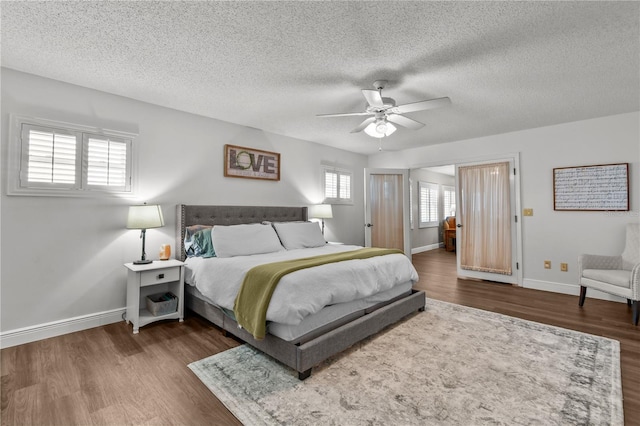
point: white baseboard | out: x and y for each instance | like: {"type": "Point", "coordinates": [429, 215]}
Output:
{"type": "Point", "coordinates": [424, 248]}
{"type": "Point", "coordinates": [572, 289]}
{"type": "Point", "coordinates": [33, 333]}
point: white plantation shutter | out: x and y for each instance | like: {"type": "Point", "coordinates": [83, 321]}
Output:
{"type": "Point", "coordinates": [53, 158]}
{"type": "Point", "coordinates": [337, 186]}
{"type": "Point", "coordinates": [106, 162]}
{"type": "Point", "coordinates": [345, 186]}
{"type": "Point", "coordinates": [330, 185]}
{"type": "Point", "coordinates": [428, 204]}
{"type": "Point", "coordinates": [49, 158]}
{"type": "Point", "coordinates": [448, 201]}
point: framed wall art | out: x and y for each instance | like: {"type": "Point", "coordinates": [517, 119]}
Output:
{"type": "Point", "coordinates": [603, 187]}
{"type": "Point", "coordinates": [251, 163]}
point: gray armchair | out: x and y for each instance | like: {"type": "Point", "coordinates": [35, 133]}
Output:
{"type": "Point", "coordinates": [617, 275]}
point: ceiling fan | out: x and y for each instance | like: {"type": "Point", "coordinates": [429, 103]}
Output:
{"type": "Point", "coordinates": [385, 112]}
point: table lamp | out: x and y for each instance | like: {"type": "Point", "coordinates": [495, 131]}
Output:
{"type": "Point", "coordinates": [144, 217]}
{"type": "Point", "coordinates": [321, 211]}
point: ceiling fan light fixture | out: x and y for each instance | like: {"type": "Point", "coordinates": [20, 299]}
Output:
{"type": "Point", "coordinates": [371, 131]}
{"type": "Point", "coordinates": [390, 129]}
{"type": "Point", "coordinates": [380, 129]}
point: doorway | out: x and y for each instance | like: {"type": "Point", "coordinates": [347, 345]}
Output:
{"type": "Point", "coordinates": [433, 205]}
{"type": "Point", "coordinates": [432, 236]}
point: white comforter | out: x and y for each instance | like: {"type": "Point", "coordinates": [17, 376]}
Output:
{"type": "Point", "coordinates": [306, 291]}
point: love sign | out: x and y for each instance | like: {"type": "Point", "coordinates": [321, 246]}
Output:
{"type": "Point", "coordinates": [251, 163]}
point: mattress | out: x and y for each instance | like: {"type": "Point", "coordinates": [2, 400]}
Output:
{"type": "Point", "coordinates": [326, 319]}
{"type": "Point", "coordinates": [304, 292]}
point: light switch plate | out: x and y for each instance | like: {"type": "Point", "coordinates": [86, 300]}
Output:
{"type": "Point", "coordinates": [527, 212]}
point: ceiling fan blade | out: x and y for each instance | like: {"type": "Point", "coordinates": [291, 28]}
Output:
{"type": "Point", "coordinates": [346, 114]}
{"type": "Point", "coordinates": [373, 98]}
{"type": "Point", "coordinates": [422, 105]}
{"type": "Point", "coordinates": [364, 124]}
{"type": "Point", "coordinates": [405, 121]}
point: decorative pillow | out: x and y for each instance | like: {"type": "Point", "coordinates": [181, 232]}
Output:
{"type": "Point", "coordinates": [244, 240]}
{"type": "Point", "coordinates": [297, 235]}
{"type": "Point", "coordinates": [197, 241]}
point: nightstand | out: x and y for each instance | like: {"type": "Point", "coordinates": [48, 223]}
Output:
{"type": "Point", "coordinates": [144, 280]}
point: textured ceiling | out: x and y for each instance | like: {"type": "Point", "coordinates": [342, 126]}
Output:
{"type": "Point", "coordinates": [274, 65]}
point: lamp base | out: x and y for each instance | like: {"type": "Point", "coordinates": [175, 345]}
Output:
{"type": "Point", "coordinates": [142, 262]}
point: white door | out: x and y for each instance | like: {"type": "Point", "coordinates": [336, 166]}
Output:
{"type": "Point", "coordinates": [486, 217]}
{"type": "Point", "coordinates": [386, 205]}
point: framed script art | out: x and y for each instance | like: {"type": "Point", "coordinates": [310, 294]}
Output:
{"type": "Point", "coordinates": [591, 188]}
{"type": "Point", "coordinates": [251, 163]}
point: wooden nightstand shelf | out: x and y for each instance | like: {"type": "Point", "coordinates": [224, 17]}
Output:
{"type": "Point", "coordinates": [143, 280]}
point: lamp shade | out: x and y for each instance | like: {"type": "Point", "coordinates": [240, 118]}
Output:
{"type": "Point", "coordinates": [145, 217]}
{"type": "Point", "coordinates": [321, 211]}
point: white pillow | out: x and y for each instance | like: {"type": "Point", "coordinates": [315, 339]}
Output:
{"type": "Point", "coordinates": [244, 240]}
{"type": "Point", "coordinates": [297, 235]}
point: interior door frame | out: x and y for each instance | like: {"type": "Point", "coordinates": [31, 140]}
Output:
{"type": "Point", "coordinates": [406, 224]}
{"type": "Point", "coordinates": [490, 276]}
{"type": "Point", "coordinates": [516, 250]}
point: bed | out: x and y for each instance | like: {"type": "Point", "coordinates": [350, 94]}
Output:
{"type": "Point", "coordinates": [324, 332]}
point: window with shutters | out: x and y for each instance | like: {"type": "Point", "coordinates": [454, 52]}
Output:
{"type": "Point", "coordinates": [448, 201]}
{"type": "Point", "coordinates": [50, 158]}
{"type": "Point", "coordinates": [428, 204]}
{"type": "Point", "coordinates": [336, 186]}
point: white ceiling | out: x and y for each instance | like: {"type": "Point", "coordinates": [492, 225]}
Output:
{"type": "Point", "coordinates": [274, 65]}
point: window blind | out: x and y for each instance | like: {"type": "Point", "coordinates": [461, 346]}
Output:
{"type": "Point", "coordinates": [428, 204]}
{"type": "Point", "coordinates": [50, 157]}
{"type": "Point", "coordinates": [337, 186]}
{"type": "Point", "coordinates": [106, 162]}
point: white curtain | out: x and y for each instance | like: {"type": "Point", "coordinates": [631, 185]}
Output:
{"type": "Point", "coordinates": [485, 215]}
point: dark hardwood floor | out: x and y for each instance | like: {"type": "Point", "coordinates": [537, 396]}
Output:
{"type": "Point", "coordinates": [107, 375]}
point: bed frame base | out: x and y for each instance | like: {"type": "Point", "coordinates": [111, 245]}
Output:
{"type": "Point", "coordinates": [309, 354]}
{"type": "Point", "coordinates": [304, 375]}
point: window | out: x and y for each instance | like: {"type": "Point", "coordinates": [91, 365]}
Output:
{"type": "Point", "coordinates": [106, 160]}
{"type": "Point", "coordinates": [51, 158]}
{"type": "Point", "coordinates": [428, 204]}
{"type": "Point", "coordinates": [337, 186]}
{"type": "Point", "coordinates": [448, 201]}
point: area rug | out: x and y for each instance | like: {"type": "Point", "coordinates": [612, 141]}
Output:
{"type": "Point", "coordinates": [449, 365]}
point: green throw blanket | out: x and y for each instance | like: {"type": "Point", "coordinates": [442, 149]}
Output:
{"type": "Point", "coordinates": [253, 299]}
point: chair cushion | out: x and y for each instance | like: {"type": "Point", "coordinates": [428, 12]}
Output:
{"type": "Point", "coordinates": [618, 277]}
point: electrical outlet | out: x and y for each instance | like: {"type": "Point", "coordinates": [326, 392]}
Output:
{"type": "Point", "coordinates": [564, 267]}
{"type": "Point", "coordinates": [527, 212]}
{"type": "Point", "coordinates": [547, 264]}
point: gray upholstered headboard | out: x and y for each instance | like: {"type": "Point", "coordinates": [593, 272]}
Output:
{"type": "Point", "coordinates": [187, 215]}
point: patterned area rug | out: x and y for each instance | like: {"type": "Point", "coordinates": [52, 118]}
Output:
{"type": "Point", "coordinates": [450, 365]}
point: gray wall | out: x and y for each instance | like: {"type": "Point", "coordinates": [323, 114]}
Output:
{"type": "Point", "coordinates": [559, 236]}
{"type": "Point", "coordinates": [62, 257]}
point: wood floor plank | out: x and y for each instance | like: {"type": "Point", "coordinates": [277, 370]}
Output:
{"type": "Point", "coordinates": [108, 376]}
